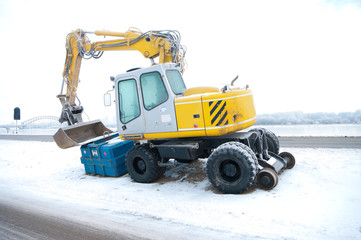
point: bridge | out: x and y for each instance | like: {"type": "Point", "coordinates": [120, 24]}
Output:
{"type": "Point", "coordinates": [40, 122]}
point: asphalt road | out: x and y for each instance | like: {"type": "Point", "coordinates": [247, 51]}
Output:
{"type": "Point", "coordinates": [321, 142]}
{"type": "Point", "coordinates": [299, 142]}
{"type": "Point", "coordinates": [26, 216]}
{"type": "Point", "coordinates": [17, 223]}
{"type": "Point", "coordinates": [41, 138]}
{"type": "Point", "coordinates": [29, 217]}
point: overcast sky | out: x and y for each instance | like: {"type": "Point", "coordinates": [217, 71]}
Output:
{"type": "Point", "coordinates": [295, 55]}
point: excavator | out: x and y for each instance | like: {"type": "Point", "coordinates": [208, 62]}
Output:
{"type": "Point", "coordinates": [166, 120]}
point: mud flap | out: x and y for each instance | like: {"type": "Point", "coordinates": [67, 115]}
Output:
{"type": "Point", "coordinates": [76, 134]}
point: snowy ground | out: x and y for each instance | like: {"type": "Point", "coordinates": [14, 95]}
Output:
{"type": "Point", "coordinates": [319, 199]}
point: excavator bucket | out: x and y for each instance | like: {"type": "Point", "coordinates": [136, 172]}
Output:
{"type": "Point", "coordinates": [71, 136]}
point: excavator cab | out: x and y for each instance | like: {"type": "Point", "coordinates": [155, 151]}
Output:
{"type": "Point", "coordinates": [145, 100]}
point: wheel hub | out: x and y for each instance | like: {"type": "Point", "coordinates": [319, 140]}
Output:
{"type": "Point", "coordinates": [230, 170]}
{"type": "Point", "coordinates": [265, 180]}
{"type": "Point", "coordinates": [140, 166]}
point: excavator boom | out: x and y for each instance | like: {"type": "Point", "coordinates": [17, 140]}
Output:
{"type": "Point", "coordinates": [164, 45]}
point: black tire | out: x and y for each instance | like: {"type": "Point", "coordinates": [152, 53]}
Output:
{"type": "Point", "coordinates": [142, 164]}
{"type": "Point", "coordinates": [231, 168]}
{"type": "Point", "coordinates": [248, 149]}
{"type": "Point", "coordinates": [272, 140]}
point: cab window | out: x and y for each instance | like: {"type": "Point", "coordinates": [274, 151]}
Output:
{"type": "Point", "coordinates": [176, 81]}
{"type": "Point", "coordinates": [128, 100]}
{"type": "Point", "coordinates": [153, 90]}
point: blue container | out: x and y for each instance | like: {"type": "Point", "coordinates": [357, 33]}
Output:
{"type": "Point", "coordinates": [114, 171]}
{"type": "Point", "coordinates": [106, 156]}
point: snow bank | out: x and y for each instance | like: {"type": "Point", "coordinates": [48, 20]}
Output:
{"type": "Point", "coordinates": [319, 199]}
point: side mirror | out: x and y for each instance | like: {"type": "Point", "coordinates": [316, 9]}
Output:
{"type": "Point", "coordinates": [107, 99]}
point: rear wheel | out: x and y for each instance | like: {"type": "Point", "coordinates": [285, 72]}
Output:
{"type": "Point", "coordinates": [231, 168]}
{"type": "Point", "coordinates": [142, 164]}
{"type": "Point", "coordinates": [272, 140]}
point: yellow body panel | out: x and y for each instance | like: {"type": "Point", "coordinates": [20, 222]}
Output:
{"type": "Point", "coordinates": [228, 112]}
{"type": "Point", "coordinates": [184, 134]}
{"type": "Point", "coordinates": [189, 113]}
{"type": "Point", "coordinates": [211, 114]}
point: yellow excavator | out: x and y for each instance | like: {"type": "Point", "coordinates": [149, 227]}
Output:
{"type": "Point", "coordinates": [166, 120]}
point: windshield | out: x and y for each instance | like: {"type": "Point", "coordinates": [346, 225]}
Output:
{"type": "Point", "coordinates": [153, 90]}
{"type": "Point", "coordinates": [176, 81]}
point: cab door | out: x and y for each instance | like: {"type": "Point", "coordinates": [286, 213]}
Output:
{"type": "Point", "coordinates": [158, 103]}
{"type": "Point", "coordinates": [130, 119]}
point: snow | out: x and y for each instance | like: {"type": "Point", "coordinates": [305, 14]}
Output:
{"type": "Point", "coordinates": [319, 198]}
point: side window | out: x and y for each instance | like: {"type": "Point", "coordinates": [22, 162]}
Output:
{"type": "Point", "coordinates": [128, 100]}
{"type": "Point", "coordinates": [153, 90]}
{"type": "Point", "coordinates": [176, 81]}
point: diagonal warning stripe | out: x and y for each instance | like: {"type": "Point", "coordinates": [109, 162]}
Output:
{"type": "Point", "coordinates": [215, 106]}
{"type": "Point", "coordinates": [222, 119]}
{"type": "Point", "coordinates": [216, 111]}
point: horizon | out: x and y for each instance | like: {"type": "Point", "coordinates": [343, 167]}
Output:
{"type": "Point", "coordinates": [113, 121]}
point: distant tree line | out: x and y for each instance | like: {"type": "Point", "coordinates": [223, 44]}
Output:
{"type": "Point", "coordinates": [289, 118]}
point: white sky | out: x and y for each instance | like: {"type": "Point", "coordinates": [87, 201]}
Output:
{"type": "Point", "coordinates": [295, 55]}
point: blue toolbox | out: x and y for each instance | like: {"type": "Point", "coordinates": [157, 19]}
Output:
{"type": "Point", "coordinates": [106, 156]}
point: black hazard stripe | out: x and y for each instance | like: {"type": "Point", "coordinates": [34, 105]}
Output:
{"type": "Point", "coordinates": [216, 112]}
{"type": "Point", "coordinates": [215, 106]}
{"type": "Point", "coordinates": [222, 119]}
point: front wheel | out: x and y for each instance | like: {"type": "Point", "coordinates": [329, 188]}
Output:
{"type": "Point", "coordinates": [231, 168]}
{"type": "Point", "coordinates": [142, 164]}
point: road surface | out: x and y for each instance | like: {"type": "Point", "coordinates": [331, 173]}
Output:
{"type": "Point", "coordinates": [321, 142]}
{"type": "Point", "coordinates": [299, 142]}
{"type": "Point", "coordinates": [42, 138]}
{"type": "Point", "coordinates": [33, 218]}
{"type": "Point", "coordinates": [19, 223]}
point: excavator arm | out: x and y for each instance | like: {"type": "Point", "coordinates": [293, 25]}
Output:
{"type": "Point", "coordinates": [164, 45]}
{"type": "Point", "coordinates": [152, 44]}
